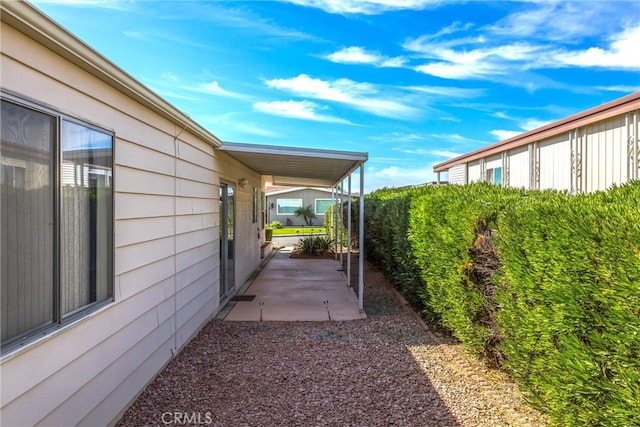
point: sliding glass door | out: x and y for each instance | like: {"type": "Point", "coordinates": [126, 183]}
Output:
{"type": "Point", "coordinates": [227, 241]}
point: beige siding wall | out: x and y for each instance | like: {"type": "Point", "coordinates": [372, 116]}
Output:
{"type": "Point", "coordinates": [166, 251]}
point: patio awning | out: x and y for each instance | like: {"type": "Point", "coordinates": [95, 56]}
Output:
{"type": "Point", "coordinates": [296, 166]}
{"type": "Point", "coordinates": [314, 168]}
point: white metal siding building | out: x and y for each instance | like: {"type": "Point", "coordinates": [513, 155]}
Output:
{"type": "Point", "coordinates": [586, 152]}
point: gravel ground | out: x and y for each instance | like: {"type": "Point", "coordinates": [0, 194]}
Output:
{"type": "Point", "coordinates": [390, 369]}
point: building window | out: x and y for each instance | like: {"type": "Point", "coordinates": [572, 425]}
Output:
{"type": "Point", "coordinates": [494, 176]}
{"type": "Point", "coordinates": [288, 206]}
{"type": "Point", "coordinates": [322, 205]}
{"type": "Point", "coordinates": [56, 222]}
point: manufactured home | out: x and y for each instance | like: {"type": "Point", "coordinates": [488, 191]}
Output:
{"type": "Point", "coordinates": [586, 152]}
{"type": "Point", "coordinates": [125, 225]}
{"type": "Point", "coordinates": [282, 203]}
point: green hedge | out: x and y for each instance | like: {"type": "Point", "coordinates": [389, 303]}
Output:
{"type": "Point", "coordinates": [386, 243]}
{"type": "Point", "coordinates": [544, 284]}
{"type": "Point", "coordinates": [449, 229]}
{"type": "Point", "coordinates": [570, 298]}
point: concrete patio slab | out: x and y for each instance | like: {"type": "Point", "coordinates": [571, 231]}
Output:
{"type": "Point", "coordinates": [297, 289]}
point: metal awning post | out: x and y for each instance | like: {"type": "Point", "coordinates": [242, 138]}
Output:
{"type": "Point", "coordinates": [349, 232]}
{"type": "Point", "coordinates": [361, 241]}
{"type": "Point", "coordinates": [334, 198]}
{"type": "Point", "coordinates": [341, 216]}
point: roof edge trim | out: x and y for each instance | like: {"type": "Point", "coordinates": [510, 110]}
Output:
{"type": "Point", "coordinates": [605, 111]}
{"type": "Point", "coordinates": [293, 151]}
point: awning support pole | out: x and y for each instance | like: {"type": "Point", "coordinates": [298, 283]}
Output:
{"type": "Point", "coordinates": [341, 226]}
{"type": "Point", "coordinates": [334, 221]}
{"type": "Point", "coordinates": [349, 233]}
{"type": "Point", "coordinates": [361, 241]}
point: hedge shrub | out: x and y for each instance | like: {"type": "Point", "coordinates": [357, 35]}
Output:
{"type": "Point", "coordinates": [386, 243]}
{"type": "Point", "coordinates": [450, 229]}
{"type": "Point", "coordinates": [570, 298]}
{"type": "Point", "coordinates": [544, 284]}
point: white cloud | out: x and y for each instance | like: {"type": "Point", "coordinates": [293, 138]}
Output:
{"type": "Point", "coordinates": [445, 153]}
{"type": "Point", "coordinates": [560, 21]}
{"type": "Point", "coordinates": [478, 62]}
{"type": "Point", "coordinates": [619, 88]}
{"type": "Point", "coordinates": [365, 7]}
{"type": "Point", "coordinates": [237, 126]}
{"type": "Point", "coordinates": [234, 15]}
{"type": "Point", "coordinates": [622, 53]}
{"type": "Point", "coordinates": [505, 134]}
{"type": "Point", "coordinates": [456, 138]}
{"type": "Point", "coordinates": [397, 137]}
{"type": "Point", "coordinates": [215, 89]}
{"type": "Point", "coordinates": [447, 92]}
{"type": "Point", "coordinates": [530, 124]}
{"type": "Point", "coordinates": [396, 176]}
{"type": "Point", "coordinates": [172, 83]}
{"type": "Point", "coordinates": [358, 55]}
{"type": "Point", "coordinates": [304, 110]}
{"type": "Point", "coordinates": [362, 96]}
{"type": "Point", "coordinates": [555, 39]}
{"type": "Point", "coordinates": [102, 4]}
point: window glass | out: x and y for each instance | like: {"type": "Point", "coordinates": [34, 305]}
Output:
{"type": "Point", "coordinates": [497, 176]}
{"type": "Point", "coordinates": [86, 216]}
{"type": "Point", "coordinates": [322, 205]}
{"type": "Point", "coordinates": [56, 220]}
{"type": "Point", "coordinates": [27, 218]}
{"type": "Point", "coordinates": [288, 206]}
{"type": "Point", "coordinates": [494, 176]}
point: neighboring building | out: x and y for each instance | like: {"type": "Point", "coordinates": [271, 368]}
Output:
{"type": "Point", "coordinates": [586, 152]}
{"type": "Point", "coordinates": [125, 225]}
{"type": "Point", "coordinates": [282, 202]}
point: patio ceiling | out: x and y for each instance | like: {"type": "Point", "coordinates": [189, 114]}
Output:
{"type": "Point", "coordinates": [296, 166]}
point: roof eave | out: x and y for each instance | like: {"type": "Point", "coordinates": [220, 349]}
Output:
{"type": "Point", "coordinates": [602, 112]}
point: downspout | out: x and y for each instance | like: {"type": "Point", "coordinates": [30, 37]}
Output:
{"type": "Point", "coordinates": [174, 350]}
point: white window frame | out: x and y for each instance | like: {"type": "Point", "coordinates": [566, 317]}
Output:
{"type": "Point", "coordinates": [490, 175]}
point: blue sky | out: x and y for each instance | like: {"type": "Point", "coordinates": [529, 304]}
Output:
{"type": "Point", "coordinates": [411, 82]}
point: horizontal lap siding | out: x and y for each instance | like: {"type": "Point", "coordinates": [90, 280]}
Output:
{"type": "Point", "coordinates": [458, 174]}
{"type": "Point", "coordinates": [166, 254]}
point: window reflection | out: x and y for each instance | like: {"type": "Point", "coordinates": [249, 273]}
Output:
{"type": "Point", "coordinates": [86, 215]}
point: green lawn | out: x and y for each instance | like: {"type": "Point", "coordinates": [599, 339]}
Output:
{"type": "Point", "coordinates": [298, 230]}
